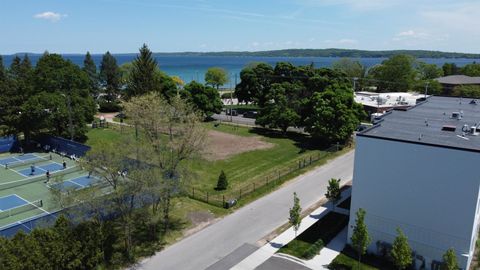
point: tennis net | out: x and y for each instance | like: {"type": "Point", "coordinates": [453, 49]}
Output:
{"type": "Point", "coordinates": [21, 209]}
{"type": "Point", "coordinates": [27, 181]}
{"type": "Point", "coordinates": [30, 161]}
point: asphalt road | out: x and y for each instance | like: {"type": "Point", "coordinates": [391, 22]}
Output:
{"type": "Point", "coordinates": [250, 223]}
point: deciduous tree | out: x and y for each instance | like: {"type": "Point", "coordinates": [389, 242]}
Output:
{"type": "Point", "coordinates": [216, 77]}
{"type": "Point", "coordinates": [401, 252]}
{"type": "Point", "coordinates": [295, 218]}
{"type": "Point", "coordinates": [360, 237]}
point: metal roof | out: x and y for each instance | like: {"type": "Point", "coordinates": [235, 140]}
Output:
{"type": "Point", "coordinates": [425, 123]}
{"type": "Point", "coordinates": [458, 80]}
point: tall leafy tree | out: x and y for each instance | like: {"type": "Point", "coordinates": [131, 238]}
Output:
{"type": "Point", "coordinates": [295, 212]}
{"type": "Point", "coordinates": [428, 71]}
{"type": "Point", "coordinates": [351, 68]}
{"type": "Point", "coordinates": [401, 252]}
{"type": "Point", "coordinates": [360, 237]}
{"type": "Point", "coordinates": [204, 98]}
{"type": "Point", "coordinates": [281, 110]}
{"type": "Point", "coordinates": [216, 77]}
{"type": "Point", "coordinates": [53, 73]}
{"type": "Point", "coordinates": [450, 69]}
{"type": "Point", "coordinates": [395, 74]}
{"type": "Point", "coordinates": [472, 69]}
{"type": "Point", "coordinates": [90, 69]}
{"type": "Point", "coordinates": [334, 115]}
{"type": "Point", "coordinates": [142, 77]}
{"type": "Point", "coordinates": [110, 76]}
{"type": "Point", "coordinates": [450, 261]}
{"type": "Point", "coordinates": [255, 83]}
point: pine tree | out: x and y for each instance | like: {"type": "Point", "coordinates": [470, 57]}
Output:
{"type": "Point", "coordinates": [222, 182]}
{"type": "Point", "coordinates": [143, 77]}
{"type": "Point", "coordinates": [401, 252]}
{"type": "Point", "coordinates": [450, 260]}
{"type": "Point", "coordinates": [90, 68]}
{"type": "Point", "coordinates": [3, 73]}
{"type": "Point", "coordinates": [110, 75]}
{"type": "Point", "coordinates": [360, 238]}
{"type": "Point", "coordinates": [295, 219]}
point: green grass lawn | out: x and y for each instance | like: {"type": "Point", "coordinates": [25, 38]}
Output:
{"type": "Point", "coordinates": [347, 259]}
{"type": "Point", "coordinates": [343, 262]}
{"type": "Point", "coordinates": [325, 230]}
{"type": "Point", "coordinates": [242, 169]}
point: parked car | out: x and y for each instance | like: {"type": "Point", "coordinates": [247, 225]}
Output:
{"type": "Point", "coordinates": [250, 114]}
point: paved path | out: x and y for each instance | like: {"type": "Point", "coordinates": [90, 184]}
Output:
{"type": "Point", "coordinates": [250, 223]}
{"type": "Point", "coordinates": [268, 250]}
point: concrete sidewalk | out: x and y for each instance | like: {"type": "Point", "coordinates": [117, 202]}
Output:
{"type": "Point", "coordinates": [327, 254]}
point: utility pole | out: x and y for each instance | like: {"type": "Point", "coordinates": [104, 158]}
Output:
{"type": "Point", "coordinates": [355, 84]}
{"type": "Point", "coordinates": [426, 89]}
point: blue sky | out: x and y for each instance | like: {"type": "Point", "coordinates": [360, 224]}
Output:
{"type": "Point", "coordinates": [121, 26]}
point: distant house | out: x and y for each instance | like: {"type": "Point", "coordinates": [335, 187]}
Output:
{"type": "Point", "coordinates": [450, 82]}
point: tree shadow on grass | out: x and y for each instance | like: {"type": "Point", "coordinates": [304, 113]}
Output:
{"type": "Point", "coordinates": [303, 141]}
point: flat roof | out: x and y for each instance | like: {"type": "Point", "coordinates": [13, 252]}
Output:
{"type": "Point", "coordinates": [429, 122]}
{"type": "Point", "coordinates": [458, 80]}
{"type": "Point", "coordinates": [387, 100]}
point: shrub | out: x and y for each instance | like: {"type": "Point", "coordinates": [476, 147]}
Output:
{"type": "Point", "coordinates": [313, 250]}
{"type": "Point", "coordinates": [109, 106]}
{"type": "Point", "coordinates": [222, 183]}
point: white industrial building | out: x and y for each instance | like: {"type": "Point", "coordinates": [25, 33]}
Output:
{"type": "Point", "coordinates": [419, 170]}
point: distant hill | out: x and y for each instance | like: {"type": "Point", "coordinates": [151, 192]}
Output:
{"type": "Point", "coordinates": [303, 53]}
{"type": "Point", "coordinates": [332, 53]}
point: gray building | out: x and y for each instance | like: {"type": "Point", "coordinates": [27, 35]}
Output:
{"type": "Point", "coordinates": [418, 170]}
{"type": "Point", "coordinates": [450, 82]}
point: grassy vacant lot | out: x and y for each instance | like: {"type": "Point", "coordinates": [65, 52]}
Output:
{"type": "Point", "coordinates": [325, 230]}
{"type": "Point", "coordinates": [241, 169]}
{"type": "Point", "coordinates": [249, 167]}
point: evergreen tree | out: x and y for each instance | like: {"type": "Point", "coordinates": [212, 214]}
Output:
{"type": "Point", "coordinates": [401, 252]}
{"type": "Point", "coordinates": [360, 238]}
{"type": "Point", "coordinates": [110, 75]}
{"type": "Point", "coordinates": [142, 77]}
{"type": "Point", "coordinates": [295, 218]}
{"type": "Point", "coordinates": [3, 73]}
{"type": "Point", "coordinates": [222, 182]}
{"type": "Point", "coordinates": [450, 261]}
{"type": "Point", "coordinates": [90, 68]}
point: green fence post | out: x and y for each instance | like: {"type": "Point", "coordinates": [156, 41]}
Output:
{"type": "Point", "coordinates": [207, 196]}
{"type": "Point", "coordinates": [193, 192]}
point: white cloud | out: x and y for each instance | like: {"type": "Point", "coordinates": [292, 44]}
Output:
{"type": "Point", "coordinates": [50, 16]}
{"type": "Point", "coordinates": [362, 5]}
{"type": "Point", "coordinates": [411, 34]}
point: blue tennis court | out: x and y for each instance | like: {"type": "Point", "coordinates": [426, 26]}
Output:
{"type": "Point", "coordinates": [27, 157]}
{"type": "Point", "coordinates": [42, 169]}
{"type": "Point", "coordinates": [76, 183]}
{"type": "Point", "coordinates": [19, 159]}
{"type": "Point", "coordinates": [11, 201]}
{"type": "Point", "coordinates": [8, 160]}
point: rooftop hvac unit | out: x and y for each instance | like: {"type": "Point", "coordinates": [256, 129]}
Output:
{"type": "Point", "coordinates": [474, 130]}
{"type": "Point", "coordinates": [456, 115]}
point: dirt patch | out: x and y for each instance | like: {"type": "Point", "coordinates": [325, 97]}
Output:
{"type": "Point", "coordinates": [200, 220]}
{"type": "Point", "coordinates": [221, 145]}
{"type": "Point", "coordinates": [200, 216]}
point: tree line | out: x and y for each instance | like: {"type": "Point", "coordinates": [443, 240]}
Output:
{"type": "Point", "coordinates": [60, 98]}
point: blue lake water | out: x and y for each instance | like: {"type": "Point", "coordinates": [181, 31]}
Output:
{"type": "Point", "coordinates": [194, 67]}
